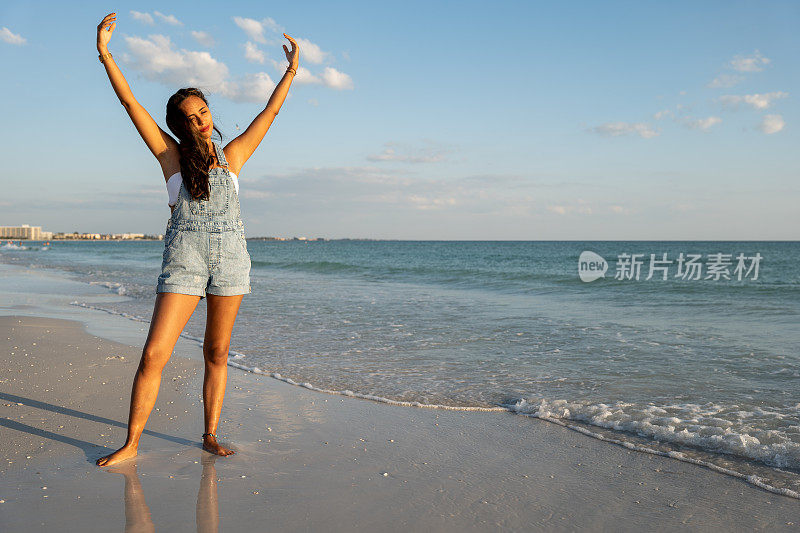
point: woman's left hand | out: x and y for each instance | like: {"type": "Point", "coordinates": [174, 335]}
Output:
{"type": "Point", "coordinates": [293, 55]}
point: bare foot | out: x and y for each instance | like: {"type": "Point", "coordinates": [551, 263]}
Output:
{"type": "Point", "coordinates": [119, 455]}
{"type": "Point", "coordinates": [210, 444]}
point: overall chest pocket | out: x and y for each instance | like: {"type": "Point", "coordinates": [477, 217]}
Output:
{"type": "Point", "coordinates": [218, 202]}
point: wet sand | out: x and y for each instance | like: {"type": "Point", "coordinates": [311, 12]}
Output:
{"type": "Point", "coordinates": [310, 461]}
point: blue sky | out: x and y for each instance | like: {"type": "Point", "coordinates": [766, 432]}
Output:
{"type": "Point", "coordinates": [422, 120]}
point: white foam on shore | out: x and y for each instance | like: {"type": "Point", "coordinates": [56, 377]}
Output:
{"type": "Point", "coordinates": [115, 313]}
{"type": "Point", "coordinates": [707, 426]}
{"type": "Point", "coordinates": [560, 412]}
{"type": "Point", "coordinates": [115, 286]}
{"type": "Point", "coordinates": [14, 247]}
{"type": "Point", "coordinates": [752, 479]}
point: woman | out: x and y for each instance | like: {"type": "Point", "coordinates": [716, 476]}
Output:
{"type": "Point", "coordinates": [205, 252]}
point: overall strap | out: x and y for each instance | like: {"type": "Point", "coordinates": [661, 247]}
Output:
{"type": "Point", "coordinates": [220, 154]}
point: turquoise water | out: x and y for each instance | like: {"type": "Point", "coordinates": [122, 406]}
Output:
{"type": "Point", "coordinates": [708, 367]}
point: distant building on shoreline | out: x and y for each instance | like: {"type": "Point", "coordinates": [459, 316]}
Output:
{"type": "Point", "coordinates": [35, 233]}
{"type": "Point", "coordinates": [106, 236]}
{"type": "Point", "coordinates": [306, 239]}
{"type": "Point", "coordinates": [31, 233]}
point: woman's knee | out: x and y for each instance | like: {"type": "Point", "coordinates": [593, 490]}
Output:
{"type": "Point", "coordinates": [216, 354]}
{"type": "Point", "coordinates": [154, 359]}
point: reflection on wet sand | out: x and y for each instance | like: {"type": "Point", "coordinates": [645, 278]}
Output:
{"type": "Point", "coordinates": [137, 514]}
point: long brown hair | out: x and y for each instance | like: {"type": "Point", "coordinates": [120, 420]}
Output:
{"type": "Point", "coordinates": [195, 156]}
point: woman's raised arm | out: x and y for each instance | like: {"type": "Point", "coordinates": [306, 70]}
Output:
{"type": "Point", "coordinates": [163, 146]}
{"type": "Point", "coordinates": [239, 150]}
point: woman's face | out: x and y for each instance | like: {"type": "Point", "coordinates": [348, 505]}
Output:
{"type": "Point", "coordinates": [198, 115]}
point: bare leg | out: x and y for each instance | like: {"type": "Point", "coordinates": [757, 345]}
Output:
{"type": "Point", "coordinates": [222, 311]}
{"type": "Point", "coordinates": [170, 315]}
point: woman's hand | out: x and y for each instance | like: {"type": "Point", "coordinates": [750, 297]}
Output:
{"type": "Point", "coordinates": [293, 55]}
{"type": "Point", "coordinates": [104, 31]}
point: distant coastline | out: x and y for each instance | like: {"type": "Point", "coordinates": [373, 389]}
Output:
{"type": "Point", "coordinates": [161, 238]}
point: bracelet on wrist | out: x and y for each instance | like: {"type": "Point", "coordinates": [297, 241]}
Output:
{"type": "Point", "coordinates": [292, 70]}
{"type": "Point", "coordinates": [103, 57]}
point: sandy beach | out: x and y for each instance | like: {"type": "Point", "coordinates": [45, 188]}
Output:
{"type": "Point", "coordinates": [305, 460]}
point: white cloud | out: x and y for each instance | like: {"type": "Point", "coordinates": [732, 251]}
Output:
{"type": "Point", "coordinates": [752, 63]}
{"type": "Point", "coordinates": [255, 88]}
{"type": "Point", "coordinates": [426, 202]}
{"type": "Point", "coordinates": [581, 209]}
{"type": "Point", "coordinates": [701, 123]}
{"type": "Point", "coordinates": [145, 18]}
{"type": "Point", "coordinates": [157, 60]}
{"type": "Point", "coordinates": [169, 19]}
{"type": "Point", "coordinates": [254, 29]}
{"type": "Point", "coordinates": [203, 38]}
{"type": "Point", "coordinates": [303, 76]}
{"type": "Point", "coordinates": [725, 81]}
{"type": "Point", "coordinates": [310, 51]}
{"type": "Point", "coordinates": [772, 124]}
{"type": "Point", "coordinates": [617, 129]}
{"type": "Point", "coordinates": [257, 195]}
{"type": "Point", "coordinates": [394, 191]}
{"type": "Point", "coordinates": [253, 54]}
{"type": "Point", "coordinates": [670, 113]}
{"type": "Point", "coordinates": [12, 38]}
{"type": "Point", "coordinates": [758, 101]}
{"type": "Point", "coordinates": [424, 155]}
{"type": "Point", "coordinates": [348, 187]}
{"type": "Point", "coordinates": [336, 80]}
{"type": "Point", "coordinates": [313, 101]}
{"type": "Point", "coordinates": [270, 23]}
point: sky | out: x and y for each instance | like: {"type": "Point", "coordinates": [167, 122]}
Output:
{"type": "Point", "coordinates": [421, 120]}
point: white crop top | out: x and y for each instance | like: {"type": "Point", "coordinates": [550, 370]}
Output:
{"type": "Point", "coordinates": [174, 185]}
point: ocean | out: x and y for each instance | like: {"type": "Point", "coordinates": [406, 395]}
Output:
{"type": "Point", "coordinates": [703, 366]}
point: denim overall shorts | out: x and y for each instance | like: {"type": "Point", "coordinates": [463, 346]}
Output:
{"type": "Point", "coordinates": [205, 251]}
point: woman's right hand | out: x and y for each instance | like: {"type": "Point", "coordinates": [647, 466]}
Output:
{"type": "Point", "coordinates": [104, 31]}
